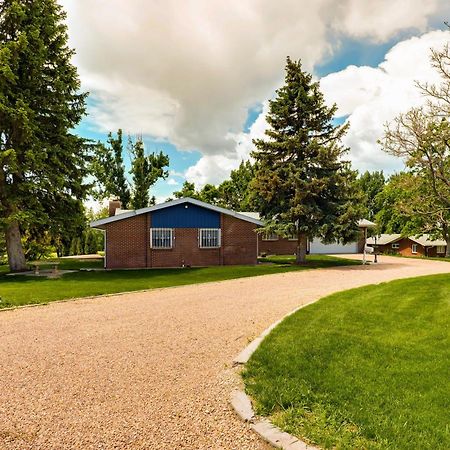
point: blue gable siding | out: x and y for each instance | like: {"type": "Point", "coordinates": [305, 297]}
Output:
{"type": "Point", "coordinates": [179, 216]}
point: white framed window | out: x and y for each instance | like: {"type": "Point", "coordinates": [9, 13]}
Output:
{"type": "Point", "coordinates": [292, 237]}
{"type": "Point", "coordinates": [414, 248]}
{"type": "Point", "coordinates": [209, 237]}
{"type": "Point", "coordinates": [395, 245]}
{"type": "Point", "coordinates": [440, 249]}
{"type": "Point", "coordinates": [161, 237]}
{"type": "Point", "coordinates": [270, 237]}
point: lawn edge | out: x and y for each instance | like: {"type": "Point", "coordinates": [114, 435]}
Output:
{"type": "Point", "coordinates": [242, 404]}
{"type": "Point", "coordinates": [112, 294]}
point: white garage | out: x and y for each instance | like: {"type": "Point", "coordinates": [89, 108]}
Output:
{"type": "Point", "coordinates": [318, 247]}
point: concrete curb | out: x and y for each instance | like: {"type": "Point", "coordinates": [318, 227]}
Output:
{"type": "Point", "coordinates": [242, 405]}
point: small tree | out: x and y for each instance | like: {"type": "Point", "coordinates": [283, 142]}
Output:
{"type": "Point", "coordinates": [146, 170]}
{"type": "Point", "coordinates": [90, 245]}
{"type": "Point", "coordinates": [394, 205]}
{"type": "Point", "coordinates": [302, 186]}
{"type": "Point", "coordinates": [370, 184]}
{"type": "Point", "coordinates": [109, 169]}
{"type": "Point", "coordinates": [187, 190]}
{"type": "Point", "coordinates": [235, 193]}
{"type": "Point", "coordinates": [75, 247]}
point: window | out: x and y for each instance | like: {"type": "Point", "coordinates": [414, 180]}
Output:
{"type": "Point", "coordinates": [209, 237]}
{"type": "Point", "coordinates": [161, 237]}
{"type": "Point", "coordinates": [414, 248]}
{"type": "Point", "coordinates": [292, 237]}
{"type": "Point", "coordinates": [440, 249]}
{"type": "Point", "coordinates": [270, 237]}
{"type": "Point", "coordinates": [396, 245]}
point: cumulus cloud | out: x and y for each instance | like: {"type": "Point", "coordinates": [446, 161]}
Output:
{"type": "Point", "coordinates": [187, 71]}
{"type": "Point", "coordinates": [373, 96]}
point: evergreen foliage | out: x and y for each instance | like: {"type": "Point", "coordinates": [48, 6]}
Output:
{"type": "Point", "coordinates": [42, 164]}
{"type": "Point", "coordinates": [302, 185]}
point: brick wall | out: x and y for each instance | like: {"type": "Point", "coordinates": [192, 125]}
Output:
{"type": "Point", "coordinates": [238, 241]}
{"type": "Point", "coordinates": [405, 248]}
{"type": "Point", "coordinates": [185, 251]}
{"type": "Point", "coordinates": [128, 245]}
{"type": "Point", "coordinates": [282, 246]}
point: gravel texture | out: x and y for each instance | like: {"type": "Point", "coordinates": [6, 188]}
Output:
{"type": "Point", "coordinates": [151, 369]}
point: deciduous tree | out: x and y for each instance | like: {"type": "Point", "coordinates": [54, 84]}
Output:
{"type": "Point", "coordinates": [422, 140]}
{"type": "Point", "coordinates": [109, 169]}
{"type": "Point", "coordinates": [146, 170]}
{"type": "Point", "coordinates": [370, 184]}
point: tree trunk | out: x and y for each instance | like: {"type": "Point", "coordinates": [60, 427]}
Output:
{"type": "Point", "coordinates": [301, 249]}
{"type": "Point", "coordinates": [446, 236]}
{"type": "Point", "coordinates": [16, 256]}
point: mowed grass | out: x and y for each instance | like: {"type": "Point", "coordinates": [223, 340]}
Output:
{"type": "Point", "coordinates": [367, 368]}
{"type": "Point", "coordinates": [21, 290]}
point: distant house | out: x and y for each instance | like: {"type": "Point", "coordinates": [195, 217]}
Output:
{"type": "Point", "coordinates": [273, 244]}
{"type": "Point", "coordinates": [182, 232]}
{"type": "Point", "coordinates": [408, 246]}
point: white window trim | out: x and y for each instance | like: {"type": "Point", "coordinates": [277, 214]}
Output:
{"type": "Point", "coordinates": [219, 237]}
{"type": "Point", "coordinates": [265, 237]}
{"type": "Point", "coordinates": [414, 246]}
{"type": "Point", "coordinates": [395, 246]}
{"type": "Point", "coordinates": [161, 248]}
{"type": "Point", "coordinates": [440, 249]}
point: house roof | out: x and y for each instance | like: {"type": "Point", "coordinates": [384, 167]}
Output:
{"type": "Point", "coordinates": [384, 239]}
{"type": "Point", "coordinates": [363, 223]}
{"type": "Point", "coordinates": [127, 214]}
{"type": "Point", "coordinates": [254, 215]}
{"type": "Point", "coordinates": [425, 241]}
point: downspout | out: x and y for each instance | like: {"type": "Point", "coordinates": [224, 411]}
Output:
{"type": "Point", "coordinates": [104, 246]}
{"type": "Point", "coordinates": [257, 246]}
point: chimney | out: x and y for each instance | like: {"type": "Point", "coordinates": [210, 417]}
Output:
{"type": "Point", "coordinates": [113, 205]}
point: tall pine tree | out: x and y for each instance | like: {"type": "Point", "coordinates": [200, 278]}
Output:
{"type": "Point", "coordinates": [302, 186]}
{"type": "Point", "coordinates": [41, 162]}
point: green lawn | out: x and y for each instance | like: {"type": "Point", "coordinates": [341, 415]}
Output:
{"type": "Point", "coordinates": [20, 290]}
{"type": "Point", "coordinates": [362, 369]}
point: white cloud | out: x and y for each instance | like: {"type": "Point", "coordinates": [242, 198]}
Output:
{"type": "Point", "coordinates": [172, 182]}
{"type": "Point", "coordinates": [187, 72]}
{"type": "Point", "coordinates": [373, 96]}
{"type": "Point", "coordinates": [380, 20]}
{"type": "Point", "coordinates": [215, 168]}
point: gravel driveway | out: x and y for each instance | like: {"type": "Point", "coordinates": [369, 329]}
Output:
{"type": "Point", "coordinates": [151, 369]}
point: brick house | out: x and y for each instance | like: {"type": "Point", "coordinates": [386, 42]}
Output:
{"type": "Point", "coordinates": [182, 232]}
{"type": "Point", "coordinates": [408, 246]}
{"type": "Point", "coordinates": [272, 244]}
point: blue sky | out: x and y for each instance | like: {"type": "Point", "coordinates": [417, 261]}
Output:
{"type": "Point", "coordinates": [198, 93]}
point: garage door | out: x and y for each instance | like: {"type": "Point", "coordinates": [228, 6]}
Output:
{"type": "Point", "coordinates": [318, 247]}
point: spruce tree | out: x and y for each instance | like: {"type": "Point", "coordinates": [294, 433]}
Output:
{"type": "Point", "coordinates": [41, 161]}
{"type": "Point", "coordinates": [302, 186]}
